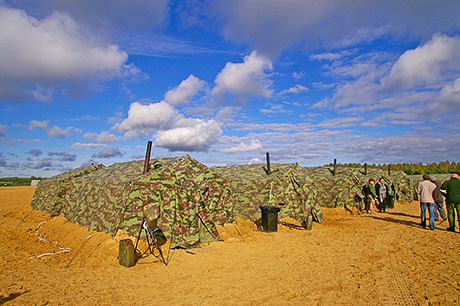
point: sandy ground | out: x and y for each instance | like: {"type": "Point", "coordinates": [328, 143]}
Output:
{"type": "Point", "coordinates": [385, 259]}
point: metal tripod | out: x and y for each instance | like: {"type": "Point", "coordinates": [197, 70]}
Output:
{"type": "Point", "coordinates": [150, 239]}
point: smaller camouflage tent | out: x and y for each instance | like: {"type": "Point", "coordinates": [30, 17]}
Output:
{"type": "Point", "coordinates": [189, 198]}
{"type": "Point", "coordinates": [344, 189]}
{"type": "Point", "coordinates": [288, 187]}
{"type": "Point", "coordinates": [402, 184]}
{"type": "Point", "coordinates": [50, 193]}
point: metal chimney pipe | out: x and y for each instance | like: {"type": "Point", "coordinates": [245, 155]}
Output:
{"type": "Point", "coordinates": [268, 163]}
{"type": "Point", "coordinates": [335, 167]}
{"type": "Point", "coordinates": [147, 157]}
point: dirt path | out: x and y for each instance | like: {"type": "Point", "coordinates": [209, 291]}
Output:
{"type": "Point", "coordinates": [385, 259]}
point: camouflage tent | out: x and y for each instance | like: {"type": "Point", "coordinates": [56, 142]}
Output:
{"type": "Point", "coordinates": [189, 198]}
{"type": "Point", "coordinates": [50, 193]}
{"type": "Point", "coordinates": [403, 185]}
{"type": "Point", "coordinates": [288, 187]}
{"type": "Point", "coordinates": [344, 189]}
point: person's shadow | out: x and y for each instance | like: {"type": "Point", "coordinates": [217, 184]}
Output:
{"type": "Point", "coordinates": [404, 215]}
{"type": "Point", "coordinates": [388, 218]}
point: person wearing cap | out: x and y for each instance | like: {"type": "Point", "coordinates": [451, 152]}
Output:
{"type": "Point", "coordinates": [425, 190]}
{"type": "Point", "coordinates": [451, 190]}
{"type": "Point", "coordinates": [438, 200]}
{"type": "Point", "coordinates": [369, 196]}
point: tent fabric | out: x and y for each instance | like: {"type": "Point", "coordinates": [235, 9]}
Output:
{"type": "Point", "coordinates": [344, 189]}
{"type": "Point", "coordinates": [187, 195]}
{"type": "Point", "coordinates": [50, 193]}
{"type": "Point", "coordinates": [288, 187]}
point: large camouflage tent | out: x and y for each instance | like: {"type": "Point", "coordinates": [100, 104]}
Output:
{"type": "Point", "coordinates": [344, 189]}
{"type": "Point", "coordinates": [189, 198]}
{"type": "Point", "coordinates": [288, 186]}
{"type": "Point", "coordinates": [50, 193]}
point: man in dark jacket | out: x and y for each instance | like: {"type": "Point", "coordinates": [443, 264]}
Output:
{"type": "Point", "coordinates": [369, 196]}
{"type": "Point", "coordinates": [381, 190]}
{"type": "Point", "coordinates": [438, 200]}
{"type": "Point", "coordinates": [451, 190]}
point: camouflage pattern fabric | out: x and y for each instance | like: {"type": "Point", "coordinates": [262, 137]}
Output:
{"type": "Point", "coordinates": [344, 189]}
{"type": "Point", "coordinates": [50, 193]}
{"type": "Point", "coordinates": [288, 187]}
{"type": "Point", "coordinates": [190, 198]}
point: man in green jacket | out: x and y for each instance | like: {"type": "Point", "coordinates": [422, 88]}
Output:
{"type": "Point", "coordinates": [451, 190]}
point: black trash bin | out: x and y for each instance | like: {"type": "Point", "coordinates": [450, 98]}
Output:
{"type": "Point", "coordinates": [269, 218]}
{"type": "Point", "coordinates": [390, 201]}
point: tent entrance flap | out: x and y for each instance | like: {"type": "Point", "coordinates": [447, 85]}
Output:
{"type": "Point", "coordinates": [205, 231]}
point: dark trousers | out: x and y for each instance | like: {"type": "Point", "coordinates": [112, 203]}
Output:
{"type": "Point", "coordinates": [383, 205]}
{"type": "Point", "coordinates": [451, 209]}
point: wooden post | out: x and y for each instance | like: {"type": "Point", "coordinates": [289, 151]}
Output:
{"type": "Point", "coordinates": [389, 169]}
{"type": "Point", "coordinates": [147, 157]}
{"type": "Point", "coordinates": [365, 169]}
{"type": "Point", "coordinates": [268, 163]}
{"type": "Point", "coordinates": [335, 167]}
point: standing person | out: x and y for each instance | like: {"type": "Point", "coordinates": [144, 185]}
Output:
{"type": "Point", "coordinates": [438, 201]}
{"type": "Point", "coordinates": [381, 190]}
{"type": "Point", "coordinates": [451, 189]}
{"type": "Point", "coordinates": [369, 196]}
{"type": "Point", "coordinates": [425, 190]}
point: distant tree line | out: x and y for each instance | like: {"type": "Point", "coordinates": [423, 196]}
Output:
{"type": "Point", "coordinates": [410, 169]}
{"type": "Point", "coordinates": [17, 181]}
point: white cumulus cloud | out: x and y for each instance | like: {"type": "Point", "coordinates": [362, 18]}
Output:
{"type": "Point", "coordinates": [451, 92]}
{"type": "Point", "coordinates": [189, 135]}
{"type": "Point", "coordinates": [39, 56]}
{"type": "Point", "coordinates": [427, 64]}
{"type": "Point", "coordinates": [254, 145]}
{"type": "Point", "coordinates": [245, 80]}
{"type": "Point", "coordinates": [186, 90]}
{"type": "Point", "coordinates": [53, 131]}
{"type": "Point", "coordinates": [297, 88]}
{"type": "Point", "coordinates": [102, 137]}
{"type": "Point", "coordinates": [144, 119]}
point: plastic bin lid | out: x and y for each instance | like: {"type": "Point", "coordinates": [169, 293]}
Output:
{"type": "Point", "coordinates": [270, 208]}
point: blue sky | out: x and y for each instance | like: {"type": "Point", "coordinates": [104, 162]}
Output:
{"type": "Point", "coordinates": [309, 81]}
